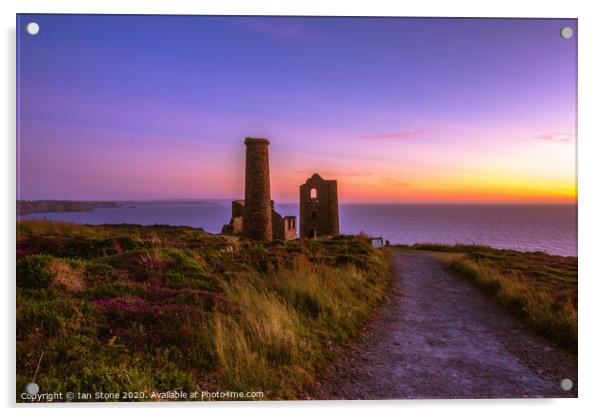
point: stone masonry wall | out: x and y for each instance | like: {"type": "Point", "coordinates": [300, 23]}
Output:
{"type": "Point", "coordinates": [257, 218]}
{"type": "Point", "coordinates": [319, 216]}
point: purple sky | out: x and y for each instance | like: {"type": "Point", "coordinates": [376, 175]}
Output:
{"type": "Point", "coordinates": [396, 109]}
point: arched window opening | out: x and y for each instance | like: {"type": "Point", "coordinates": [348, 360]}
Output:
{"type": "Point", "coordinates": [313, 194]}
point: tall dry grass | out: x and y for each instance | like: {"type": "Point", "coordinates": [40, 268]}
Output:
{"type": "Point", "coordinates": [533, 303]}
{"type": "Point", "coordinates": [282, 326]}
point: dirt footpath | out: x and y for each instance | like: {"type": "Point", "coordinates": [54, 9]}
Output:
{"type": "Point", "coordinates": [439, 337]}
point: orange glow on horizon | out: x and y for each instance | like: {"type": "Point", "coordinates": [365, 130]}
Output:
{"type": "Point", "coordinates": [452, 190]}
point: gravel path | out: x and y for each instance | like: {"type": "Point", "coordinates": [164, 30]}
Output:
{"type": "Point", "coordinates": [439, 337]}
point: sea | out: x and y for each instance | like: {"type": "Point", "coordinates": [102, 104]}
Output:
{"type": "Point", "coordinates": [547, 228]}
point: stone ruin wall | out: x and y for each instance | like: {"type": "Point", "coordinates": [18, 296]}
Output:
{"type": "Point", "coordinates": [319, 216]}
{"type": "Point", "coordinates": [257, 218]}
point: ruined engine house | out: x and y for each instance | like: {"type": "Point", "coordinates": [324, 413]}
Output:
{"type": "Point", "coordinates": [319, 208]}
{"type": "Point", "coordinates": [255, 217]}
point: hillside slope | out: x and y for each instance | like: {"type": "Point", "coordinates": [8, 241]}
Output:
{"type": "Point", "coordinates": [159, 308]}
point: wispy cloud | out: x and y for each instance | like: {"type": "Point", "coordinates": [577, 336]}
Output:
{"type": "Point", "coordinates": [397, 135]}
{"type": "Point", "coordinates": [555, 137]}
{"type": "Point", "coordinates": [394, 182]}
{"type": "Point", "coordinates": [331, 174]}
{"type": "Point", "coordinates": [357, 173]}
{"type": "Point", "coordinates": [284, 29]}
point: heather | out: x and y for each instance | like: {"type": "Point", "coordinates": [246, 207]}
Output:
{"type": "Point", "coordinates": [163, 308]}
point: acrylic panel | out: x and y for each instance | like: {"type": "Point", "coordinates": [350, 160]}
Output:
{"type": "Point", "coordinates": [265, 208]}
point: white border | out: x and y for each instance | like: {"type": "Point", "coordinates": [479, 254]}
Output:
{"type": "Point", "coordinates": [589, 153]}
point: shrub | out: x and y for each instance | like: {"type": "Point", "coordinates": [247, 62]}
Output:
{"type": "Point", "coordinates": [100, 272]}
{"type": "Point", "coordinates": [32, 272]}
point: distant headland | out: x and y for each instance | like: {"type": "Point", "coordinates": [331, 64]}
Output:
{"type": "Point", "coordinates": [25, 207]}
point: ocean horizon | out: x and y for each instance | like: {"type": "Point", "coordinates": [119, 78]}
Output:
{"type": "Point", "coordinates": [550, 228]}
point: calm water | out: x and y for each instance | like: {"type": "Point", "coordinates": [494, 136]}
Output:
{"type": "Point", "coordinates": [550, 228]}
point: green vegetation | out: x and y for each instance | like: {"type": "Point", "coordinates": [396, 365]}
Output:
{"type": "Point", "coordinates": [539, 288]}
{"type": "Point", "coordinates": [130, 308]}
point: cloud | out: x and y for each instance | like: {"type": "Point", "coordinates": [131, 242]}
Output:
{"type": "Point", "coordinates": [357, 173]}
{"type": "Point", "coordinates": [291, 28]}
{"type": "Point", "coordinates": [555, 137]}
{"type": "Point", "coordinates": [406, 134]}
{"type": "Point", "coordinates": [331, 174]}
{"type": "Point", "coordinates": [394, 182]}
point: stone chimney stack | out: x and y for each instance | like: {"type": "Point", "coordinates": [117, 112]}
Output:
{"type": "Point", "coordinates": [257, 217]}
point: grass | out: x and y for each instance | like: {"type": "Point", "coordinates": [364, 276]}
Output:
{"type": "Point", "coordinates": [539, 288]}
{"type": "Point", "coordinates": [132, 308]}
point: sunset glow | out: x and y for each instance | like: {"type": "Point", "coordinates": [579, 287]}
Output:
{"type": "Point", "coordinates": [397, 110]}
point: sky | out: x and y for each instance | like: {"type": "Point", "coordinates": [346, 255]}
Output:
{"type": "Point", "coordinates": [395, 109]}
